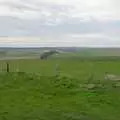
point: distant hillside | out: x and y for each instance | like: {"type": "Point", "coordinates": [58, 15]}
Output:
{"type": "Point", "coordinates": [12, 53]}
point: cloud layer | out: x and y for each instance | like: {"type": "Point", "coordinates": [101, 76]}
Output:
{"type": "Point", "coordinates": [60, 23]}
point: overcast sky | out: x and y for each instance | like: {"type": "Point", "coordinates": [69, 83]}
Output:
{"type": "Point", "coordinates": [93, 23]}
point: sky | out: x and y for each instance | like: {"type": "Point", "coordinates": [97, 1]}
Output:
{"type": "Point", "coordinates": [67, 23]}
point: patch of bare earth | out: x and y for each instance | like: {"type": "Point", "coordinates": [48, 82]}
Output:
{"type": "Point", "coordinates": [112, 77]}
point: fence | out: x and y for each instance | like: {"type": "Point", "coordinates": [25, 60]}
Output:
{"type": "Point", "coordinates": [7, 67]}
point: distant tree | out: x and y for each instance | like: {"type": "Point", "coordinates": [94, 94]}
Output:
{"type": "Point", "coordinates": [45, 55]}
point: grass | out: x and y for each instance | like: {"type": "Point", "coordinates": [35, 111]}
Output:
{"type": "Point", "coordinates": [36, 97]}
{"type": "Point", "coordinates": [74, 67]}
{"type": "Point", "coordinates": [78, 92]}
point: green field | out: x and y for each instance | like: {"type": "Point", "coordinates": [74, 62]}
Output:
{"type": "Point", "coordinates": [59, 89]}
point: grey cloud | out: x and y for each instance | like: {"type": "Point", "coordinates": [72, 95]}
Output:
{"type": "Point", "coordinates": [18, 27]}
{"type": "Point", "coordinates": [36, 6]}
{"type": "Point", "coordinates": [54, 21]}
{"type": "Point", "coordinates": [18, 6]}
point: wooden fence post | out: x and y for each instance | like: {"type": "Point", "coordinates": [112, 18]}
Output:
{"type": "Point", "coordinates": [8, 67]}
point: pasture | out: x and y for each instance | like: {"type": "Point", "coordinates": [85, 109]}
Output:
{"type": "Point", "coordinates": [63, 89]}
{"type": "Point", "coordinates": [81, 85]}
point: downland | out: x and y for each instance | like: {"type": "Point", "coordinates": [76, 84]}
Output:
{"type": "Point", "coordinates": [61, 87]}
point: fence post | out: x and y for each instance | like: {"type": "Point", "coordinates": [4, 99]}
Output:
{"type": "Point", "coordinates": [8, 67]}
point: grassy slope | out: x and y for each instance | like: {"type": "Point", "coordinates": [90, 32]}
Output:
{"type": "Point", "coordinates": [74, 67]}
{"type": "Point", "coordinates": [34, 97]}
{"type": "Point", "coordinates": [39, 95]}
